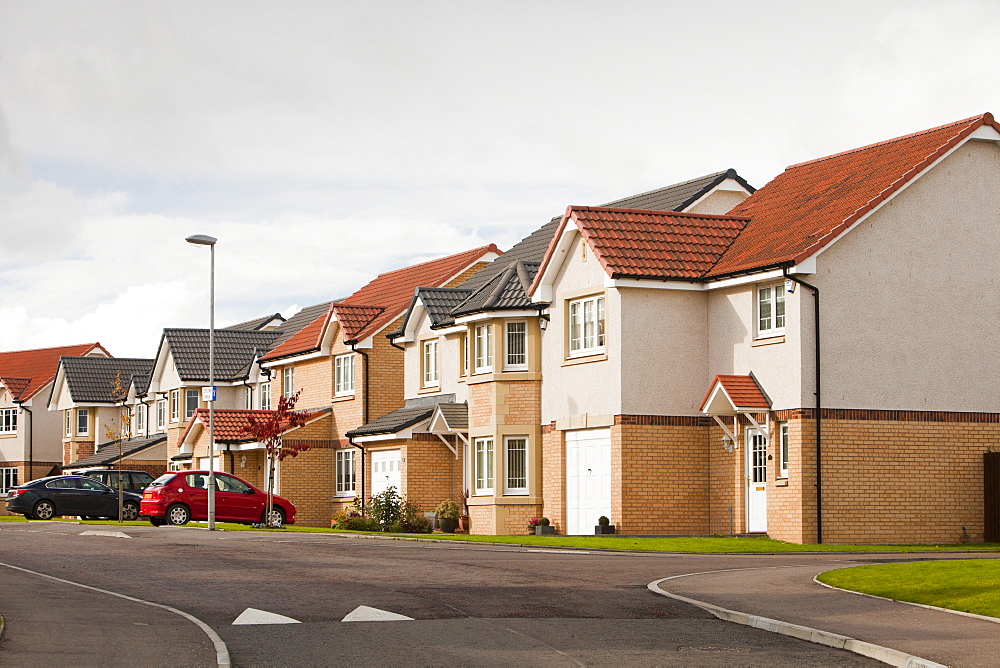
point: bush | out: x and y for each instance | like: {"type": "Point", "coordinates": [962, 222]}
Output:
{"type": "Point", "coordinates": [353, 520]}
{"type": "Point", "coordinates": [544, 521]}
{"type": "Point", "coordinates": [449, 510]}
{"type": "Point", "coordinates": [603, 521]}
{"type": "Point", "coordinates": [386, 512]}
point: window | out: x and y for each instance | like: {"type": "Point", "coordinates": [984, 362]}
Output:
{"type": "Point", "coordinates": [465, 354]}
{"type": "Point", "coordinates": [190, 403]}
{"type": "Point", "coordinates": [288, 381]}
{"type": "Point", "coordinates": [82, 421]}
{"type": "Point", "coordinates": [516, 357]}
{"type": "Point", "coordinates": [248, 398]}
{"type": "Point", "coordinates": [770, 310]}
{"type": "Point", "coordinates": [69, 422]}
{"type": "Point", "coordinates": [345, 472]}
{"type": "Point", "coordinates": [161, 413]}
{"type": "Point", "coordinates": [8, 479]}
{"type": "Point", "coordinates": [343, 375]}
{"type": "Point", "coordinates": [175, 405]}
{"type": "Point", "coordinates": [484, 466]}
{"type": "Point", "coordinates": [516, 463]}
{"type": "Point", "coordinates": [484, 348]}
{"type": "Point", "coordinates": [140, 420]}
{"type": "Point", "coordinates": [8, 420]}
{"type": "Point", "coordinates": [265, 397]}
{"type": "Point", "coordinates": [783, 449]}
{"type": "Point", "coordinates": [586, 326]}
{"type": "Point", "coordinates": [430, 364]}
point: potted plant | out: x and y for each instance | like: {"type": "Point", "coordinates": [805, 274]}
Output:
{"type": "Point", "coordinates": [447, 514]}
{"type": "Point", "coordinates": [604, 526]}
{"type": "Point", "coordinates": [532, 525]}
{"type": "Point", "coordinates": [463, 520]}
{"type": "Point", "coordinates": [544, 529]}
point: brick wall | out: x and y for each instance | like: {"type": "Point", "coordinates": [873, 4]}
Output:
{"type": "Point", "coordinates": [75, 450]}
{"type": "Point", "coordinates": [430, 472]}
{"type": "Point", "coordinates": [553, 476]}
{"type": "Point", "coordinates": [308, 481]}
{"type": "Point", "coordinates": [314, 378]}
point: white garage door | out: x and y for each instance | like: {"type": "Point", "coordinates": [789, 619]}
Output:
{"type": "Point", "coordinates": [588, 479]}
{"type": "Point", "coordinates": [385, 471]}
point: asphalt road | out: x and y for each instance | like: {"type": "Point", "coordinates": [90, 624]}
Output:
{"type": "Point", "coordinates": [470, 604]}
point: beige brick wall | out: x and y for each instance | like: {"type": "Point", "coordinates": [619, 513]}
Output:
{"type": "Point", "coordinates": [430, 472]}
{"type": "Point", "coordinates": [554, 476]}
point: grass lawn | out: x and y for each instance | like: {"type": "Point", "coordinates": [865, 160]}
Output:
{"type": "Point", "coordinates": [692, 545]}
{"type": "Point", "coordinates": [968, 585]}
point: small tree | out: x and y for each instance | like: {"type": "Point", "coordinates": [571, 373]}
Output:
{"type": "Point", "coordinates": [119, 429]}
{"type": "Point", "coordinates": [269, 430]}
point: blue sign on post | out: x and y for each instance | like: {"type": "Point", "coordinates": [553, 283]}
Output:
{"type": "Point", "coordinates": [208, 394]}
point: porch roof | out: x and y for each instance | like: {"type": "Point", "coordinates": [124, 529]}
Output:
{"type": "Point", "coordinates": [730, 395]}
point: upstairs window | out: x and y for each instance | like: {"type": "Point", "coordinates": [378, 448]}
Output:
{"type": "Point", "coordinates": [586, 326]}
{"type": "Point", "coordinates": [140, 420]}
{"type": "Point", "coordinates": [8, 420]}
{"type": "Point", "coordinates": [516, 340]}
{"type": "Point", "coordinates": [69, 422]}
{"type": "Point", "coordinates": [465, 354]}
{"type": "Point", "coordinates": [483, 345]}
{"type": "Point", "coordinates": [175, 405]}
{"type": "Point", "coordinates": [190, 403]}
{"type": "Point", "coordinates": [161, 414]}
{"type": "Point", "coordinates": [82, 421]}
{"type": "Point", "coordinates": [288, 381]}
{"type": "Point", "coordinates": [265, 397]}
{"type": "Point", "coordinates": [431, 376]}
{"type": "Point", "coordinates": [343, 375]}
{"type": "Point", "coordinates": [770, 310]}
{"type": "Point", "coordinates": [248, 398]}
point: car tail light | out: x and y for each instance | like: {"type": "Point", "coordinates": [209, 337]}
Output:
{"type": "Point", "coordinates": [15, 492]}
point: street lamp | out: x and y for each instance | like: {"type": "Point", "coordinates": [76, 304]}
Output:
{"type": "Point", "coordinates": [205, 240]}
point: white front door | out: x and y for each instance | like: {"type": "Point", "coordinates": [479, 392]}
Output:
{"type": "Point", "coordinates": [588, 479]}
{"type": "Point", "coordinates": [756, 450]}
{"type": "Point", "coordinates": [385, 471]}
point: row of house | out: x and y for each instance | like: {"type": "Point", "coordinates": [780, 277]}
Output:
{"type": "Point", "coordinates": [814, 360]}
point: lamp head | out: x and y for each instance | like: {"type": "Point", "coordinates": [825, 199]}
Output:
{"type": "Point", "coordinates": [201, 240]}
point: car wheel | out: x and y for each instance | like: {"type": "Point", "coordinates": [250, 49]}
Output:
{"type": "Point", "coordinates": [130, 511]}
{"type": "Point", "coordinates": [44, 510]}
{"type": "Point", "coordinates": [157, 521]}
{"type": "Point", "coordinates": [275, 519]}
{"type": "Point", "coordinates": [178, 514]}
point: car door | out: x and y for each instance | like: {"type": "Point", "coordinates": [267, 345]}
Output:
{"type": "Point", "coordinates": [243, 504]}
{"type": "Point", "coordinates": [67, 496]}
{"type": "Point", "coordinates": [96, 498]}
{"type": "Point", "coordinates": [194, 493]}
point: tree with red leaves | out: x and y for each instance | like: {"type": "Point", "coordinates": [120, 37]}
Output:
{"type": "Point", "coordinates": [269, 430]}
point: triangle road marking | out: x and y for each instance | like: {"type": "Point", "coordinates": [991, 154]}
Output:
{"type": "Point", "coordinates": [255, 616]}
{"type": "Point", "coordinates": [363, 613]}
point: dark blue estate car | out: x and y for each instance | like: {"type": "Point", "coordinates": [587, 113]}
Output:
{"type": "Point", "coordinates": [77, 495]}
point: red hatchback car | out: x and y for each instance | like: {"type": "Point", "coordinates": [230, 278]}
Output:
{"type": "Point", "coordinates": [181, 496]}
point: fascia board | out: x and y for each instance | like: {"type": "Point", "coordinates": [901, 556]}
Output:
{"type": "Point", "coordinates": [410, 326]}
{"type": "Point", "coordinates": [285, 361]}
{"type": "Point", "coordinates": [491, 315]}
{"type": "Point", "coordinates": [59, 387]}
{"type": "Point", "coordinates": [400, 435]}
{"type": "Point", "coordinates": [652, 284]}
{"type": "Point", "coordinates": [448, 330]}
{"type": "Point", "coordinates": [543, 293]}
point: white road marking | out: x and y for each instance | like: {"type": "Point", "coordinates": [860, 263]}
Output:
{"type": "Point", "coordinates": [363, 613]}
{"type": "Point", "coordinates": [549, 551]}
{"type": "Point", "coordinates": [221, 651]}
{"type": "Point", "coordinates": [112, 534]}
{"type": "Point", "coordinates": [255, 616]}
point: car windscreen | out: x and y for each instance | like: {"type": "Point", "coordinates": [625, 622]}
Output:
{"type": "Point", "coordinates": [163, 480]}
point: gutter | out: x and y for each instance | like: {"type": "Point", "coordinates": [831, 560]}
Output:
{"type": "Point", "coordinates": [819, 405]}
{"type": "Point", "coordinates": [364, 416]}
{"type": "Point", "coordinates": [350, 439]}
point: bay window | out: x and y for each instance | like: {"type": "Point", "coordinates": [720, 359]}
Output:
{"type": "Point", "coordinates": [515, 465]}
{"type": "Point", "coordinates": [483, 348]}
{"type": "Point", "coordinates": [516, 352]}
{"type": "Point", "coordinates": [483, 464]}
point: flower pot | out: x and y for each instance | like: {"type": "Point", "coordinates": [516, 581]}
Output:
{"type": "Point", "coordinates": [464, 524]}
{"type": "Point", "coordinates": [448, 524]}
{"type": "Point", "coordinates": [604, 529]}
{"type": "Point", "coordinates": [545, 530]}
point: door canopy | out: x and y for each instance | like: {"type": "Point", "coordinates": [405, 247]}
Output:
{"type": "Point", "coordinates": [735, 396]}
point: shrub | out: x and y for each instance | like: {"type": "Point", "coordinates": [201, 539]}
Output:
{"type": "Point", "coordinates": [353, 520]}
{"type": "Point", "coordinates": [449, 510]}
{"type": "Point", "coordinates": [386, 508]}
{"type": "Point", "coordinates": [603, 521]}
{"type": "Point", "coordinates": [544, 521]}
{"type": "Point", "coordinates": [386, 512]}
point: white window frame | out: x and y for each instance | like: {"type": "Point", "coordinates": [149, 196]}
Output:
{"type": "Point", "coordinates": [483, 348]}
{"type": "Point", "coordinates": [585, 328]}
{"type": "Point", "coordinates": [140, 420]}
{"type": "Point", "coordinates": [175, 405]}
{"type": "Point", "coordinates": [248, 397]}
{"type": "Point", "coordinates": [265, 396]}
{"type": "Point", "coordinates": [188, 394]}
{"type": "Point", "coordinates": [466, 352]}
{"type": "Point", "coordinates": [343, 375]}
{"type": "Point", "coordinates": [482, 465]}
{"type": "Point", "coordinates": [345, 473]}
{"type": "Point", "coordinates": [8, 479]}
{"type": "Point", "coordinates": [161, 413]}
{"type": "Point", "coordinates": [83, 419]}
{"type": "Point", "coordinates": [770, 300]}
{"type": "Point", "coordinates": [69, 423]}
{"type": "Point", "coordinates": [430, 374]}
{"type": "Point", "coordinates": [288, 381]}
{"type": "Point", "coordinates": [510, 488]}
{"type": "Point", "coordinates": [783, 449]}
{"type": "Point", "coordinates": [513, 360]}
{"type": "Point", "coordinates": [8, 420]}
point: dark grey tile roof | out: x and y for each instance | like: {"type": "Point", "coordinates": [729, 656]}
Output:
{"type": "Point", "coordinates": [235, 351]}
{"type": "Point", "coordinates": [439, 302]}
{"type": "Point", "coordinates": [91, 379]}
{"type": "Point", "coordinates": [508, 290]}
{"type": "Point", "coordinates": [257, 323]}
{"type": "Point", "coordinates": [107, 453]}
{"type": "Point", "coordinates": [531, 249]}
{"type": "Point", "coordinates": [394, 421]}
{"type": "Point", "coordinates": [291, 327]}
{"type": "Point", "coordinates": [455, 415]}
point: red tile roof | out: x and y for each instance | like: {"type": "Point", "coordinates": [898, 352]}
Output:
{"type": "Point", "coordinates": [743, 392]}
{"type": "Point", "coordinates": [353, 318]}
{"type": "Point", "coordinates": [307, 339]}
{"type": "Point", "coordinates": [230, 425]}
{"type": "Point", "coordinates": [393, 290]}
{"type": "Point", "coordinates": [25, 372]}
{"type": "Point", "coordinates": [639, 243]}
{"type": "Point", "coordinates": [809, 204]}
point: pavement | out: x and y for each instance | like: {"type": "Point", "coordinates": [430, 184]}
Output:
{"type": "Point", "coordinates": [785, 599]}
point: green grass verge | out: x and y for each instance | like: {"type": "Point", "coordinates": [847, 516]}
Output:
{"type": "Point", "coordinates": [967, 585]}
{"type": "Point", "coordinates": [691, 545]}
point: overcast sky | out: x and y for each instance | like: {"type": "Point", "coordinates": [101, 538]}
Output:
{"type": "Point", "coordinates": [324, 142]}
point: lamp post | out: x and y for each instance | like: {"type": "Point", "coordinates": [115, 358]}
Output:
{"type": "Point", "coordinates": [205, 240]}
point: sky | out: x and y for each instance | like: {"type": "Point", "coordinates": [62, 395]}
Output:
{"type": "Point", "coordinates": [324, 142]}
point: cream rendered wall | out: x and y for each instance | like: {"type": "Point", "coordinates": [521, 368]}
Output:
{"type": "Point", "coordinates": [591, 388]}
{"type": "Point", "coordinates": [719, 202]}
{"type": "Point", "coordinates": [733, 348]}
{"type": "Point", "coordinates": [664, 351]}
{"type": "Point", "coordinates": [449, 361]}
{"type": "Point", "coordinates": [911, 296]}
{"type": "Point", "coordinates": [13, 447]}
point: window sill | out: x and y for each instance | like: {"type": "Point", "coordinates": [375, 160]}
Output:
{"type": "Point", "coordinates": [342, 397]}
{"type": "Point", "coordinates": [781, 482]}
{"type": "Point", "coordinates": [503, 376]}
{"type": "Point", "coordinates": [429, 389]}
{"type": "Point", "coordinates": [341, 496]}
{"type": "Point", "coordinates": [768, 340]}
{"type": "Point", "coordinates": [585, 359]}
